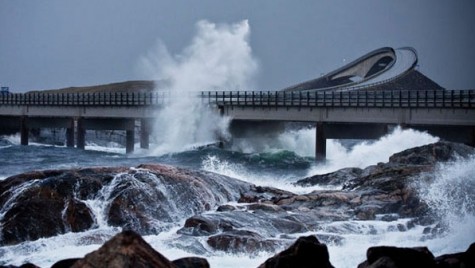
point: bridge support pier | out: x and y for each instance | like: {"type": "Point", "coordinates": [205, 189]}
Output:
{"type": "Point", "coordinates": [321, 143]}
{"type": "Point", "coordinates": [144, 133]}
{"type": "Point", "coordinates": [130, 141]}
{"type": "Point", "coordinates": [70, 134]}
{"type": "Point", "coordinates": [81, 134]}
{"type": "Point", "coordinates": [24, 131]}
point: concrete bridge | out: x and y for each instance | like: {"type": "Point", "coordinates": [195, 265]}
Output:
{"type": "Point", "coordinates": [80, 112]}
{"type": "Point", "coordinates": [449, 114]}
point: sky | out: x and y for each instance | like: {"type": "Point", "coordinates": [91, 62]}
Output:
{"type": "Point", "coordinates": [52, 44]}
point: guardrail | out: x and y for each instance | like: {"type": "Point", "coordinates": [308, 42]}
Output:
{"type": "Point", "coordinates": [86, 99]}
{"type": "Point", "coordinates": [464, 99]}
{"type": "Point", "coordinates": [384, 99]}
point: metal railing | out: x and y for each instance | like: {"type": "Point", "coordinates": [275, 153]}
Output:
{"type": "Point", "coordinates": [383, 99]}
{"type": "Point", "coordinates": [399, 99]}
{"type": "Point", "coordinates": [86, 99]}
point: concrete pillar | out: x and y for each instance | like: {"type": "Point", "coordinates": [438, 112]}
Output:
{"type": "Point", "coordinates": [130, 141]}
{"type": "Point", "coordinates": [24, 131]}
{"type": "Point", "coordinates": [321, 143]}
{"type": "Point", "coordinates": [144, 134]}
{"type": "Point", "coordinates": [81, 134]}
{"type": "Point", "coordinates": [70, 134]}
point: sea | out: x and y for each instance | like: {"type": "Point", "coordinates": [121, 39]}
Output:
{"type": "Point", "coordinates": [284, 160]}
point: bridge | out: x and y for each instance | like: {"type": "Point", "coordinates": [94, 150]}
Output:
{"type": "Point", "coordinates": [449, 114]}
{"type": "Point", "coordinates": [357, 101]}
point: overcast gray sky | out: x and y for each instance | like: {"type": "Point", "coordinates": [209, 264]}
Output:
{"type": "Point", "coordinates": [60, 43]}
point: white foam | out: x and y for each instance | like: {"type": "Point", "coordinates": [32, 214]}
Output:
{"type": "Point", "coordinates": [218, 58]}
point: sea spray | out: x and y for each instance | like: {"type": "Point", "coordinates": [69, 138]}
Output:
{"type": "Point", "coordinates": [218, 58]}
{"type": "Point", "coordinates": [361, 155]}
{"type": "Point", "coordinates": [450, 195]}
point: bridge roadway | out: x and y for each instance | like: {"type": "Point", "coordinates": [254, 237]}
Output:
{"type": "Point", "coordinates": [345, 114]}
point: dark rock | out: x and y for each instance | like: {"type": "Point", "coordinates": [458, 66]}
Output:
{"type": "Point", "coordinates": [26, 265]}
{"type": "Point", "coordinates": [398, 257]}
{"type": "Point", "coordinates": [191, 262]}
{"type": "Point", "coordinates": [241, 241]}
{"type": "Point", "coordinates": [67, 263]}
{"type": "Point", "coordinates": [199, 226]}
{"type": "Point", "coordinates": [305, 252]}
{"type": "Point", "coordinates": [126, 249]}
{"type": "Point", "coordinates": [225, 208]}
{"type": "Point", "coordinates": [147, 199]}
{"type": "Point", "coordinates": [335, 178]}
{"type": "Point", "coordinates": [430, 154]}
{"type": "Point", "coordinates": [456, 260]}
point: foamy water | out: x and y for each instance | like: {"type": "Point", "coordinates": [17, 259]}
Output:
{"type": "Point", "coordinates": [361, 155]}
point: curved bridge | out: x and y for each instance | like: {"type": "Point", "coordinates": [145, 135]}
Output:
{"type": "Point", "coordinates": [376, 67]}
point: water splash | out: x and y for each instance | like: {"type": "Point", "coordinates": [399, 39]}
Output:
{"type": "Point", "coordinates": [218, 58]}
{"type": "Point", "coordinates": [450, 195]}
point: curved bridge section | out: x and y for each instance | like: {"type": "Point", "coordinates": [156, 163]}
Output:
{"type": "Point", "coordinates": [376, 67]}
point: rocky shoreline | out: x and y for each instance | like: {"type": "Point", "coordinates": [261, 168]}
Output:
{"type": "Point", "coordinates": [228, 214]}
{"type": "Point", "coordinates": [128, 249]}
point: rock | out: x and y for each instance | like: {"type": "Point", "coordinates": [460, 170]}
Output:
{"type": "Point", "coordinates": [305, 252]}
{"type": "Point", "coordinates": [147, 199]}
{"type": "Point", "coordinates": [334, 178]}
{"type": "Point", "coordinates": [241, 241]}
{"type": "Point", "coordinates": [462, 259]}
{"type": "Point", "coordinates": [191, 262]}
{"type": "Point", "coordinates": [26, 265]}
{"type": "Point", "coordinates": [67, 263]}
{"type": "Point", "coordinates": [398, 257]}
{"type": "Point", "coordinates": [199, 226]}
{"type": "Point", "coordinates": [226, 208]}
{"type": "Point", "coordinates": [126, 249]}
{"type": "Point", "coordinates": [430, 154]}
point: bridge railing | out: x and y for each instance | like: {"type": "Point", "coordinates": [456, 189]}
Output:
{"type": "Point", "coordinates": [86, 99]}
{"type": "Point", "coordinates": [383, 99]}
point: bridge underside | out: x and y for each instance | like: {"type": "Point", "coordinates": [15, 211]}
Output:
{"type": "Point", "coordinates": [76, 128]}
{"type": "Point", "coordinates": [363, 131]}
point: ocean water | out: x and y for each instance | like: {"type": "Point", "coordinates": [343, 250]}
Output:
{"type": "Point", "coordinates": [280, 165]}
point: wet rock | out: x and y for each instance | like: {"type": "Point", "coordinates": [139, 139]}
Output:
{"type": "Point", "coordinates": [26, 265]}
{"type": "Point", "coordinates": [264, 207]}
{"type": "Point", "coordinates": [241, 241]}
{"type": "Point", "coordinates": [305, 252]}
{"type": "Point", "coordinates": [126, 249]}
{"type": "Point", "coordinates": [398, 257]}
{"type": "Point", "coordinates": [456, 260]}
{"type": "Point", "coordinates": [147, 199]}
{"type": "Point", "coordinates": [335, 178]}
{"type": "Point", "coordinates": [38, 212]}
{"type": "Point", "coordinates": [191, 262]}
{"type": "Point", "coordinates": [67, 263]}
{"type": "Point", "coordinates": [199, 226]}
{"type": "Point", "coordinates": [226, 208]}
{"type": "Point", "coordinates": [431, 154]}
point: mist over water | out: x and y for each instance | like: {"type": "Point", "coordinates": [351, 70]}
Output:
{"type": "Point", "coordinates": [218, 58]}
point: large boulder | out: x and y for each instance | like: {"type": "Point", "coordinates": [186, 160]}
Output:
{"type": "Point", "coordinates": [305, 252]}
{"type": "Point", "coordinates": [147, 199]}
{"type": "Point", "coordinates": [127, 249]}
{"type": "Point", "coordinates": [379, 257]}
{"type": "Point", "coordinates": [47, 203]}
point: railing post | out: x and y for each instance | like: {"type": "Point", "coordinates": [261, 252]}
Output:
{"type": "Point", "coordinates": [451, 99]}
